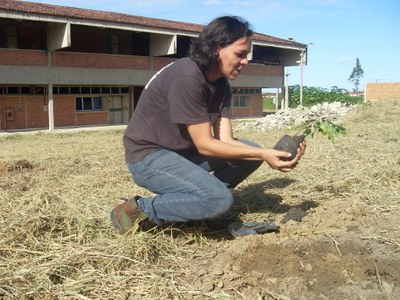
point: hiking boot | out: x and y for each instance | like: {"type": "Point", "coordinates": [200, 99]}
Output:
{"type": "Point", "coordinates": [127, 217]}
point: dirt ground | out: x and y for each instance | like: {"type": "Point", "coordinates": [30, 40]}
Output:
{"type": "Point", "coordinates": [346, 247]}
{"type": "Point", "coordinates": [56, 240]}
{"type": "Point", "coordinates": [337, 251]}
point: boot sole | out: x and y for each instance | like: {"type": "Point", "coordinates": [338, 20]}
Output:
{"type": "Point", "coordinates": [114, 221]}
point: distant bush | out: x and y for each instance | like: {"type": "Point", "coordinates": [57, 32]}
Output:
{"type": "Point", "coordinates": [315, 95]}
{"type": "Point", "coordinates": [268, 103]}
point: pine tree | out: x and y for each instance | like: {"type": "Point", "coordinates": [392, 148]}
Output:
{"type": "Point", "coordinates": [356, 75]}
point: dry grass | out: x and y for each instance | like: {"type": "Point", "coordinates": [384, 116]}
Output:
{"type": "Point", "coordinates": [56, 191]}
{"type": "Point", "coordinates": [361, 167]}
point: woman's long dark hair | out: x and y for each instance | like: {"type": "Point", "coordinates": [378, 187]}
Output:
{"type": "Point", "coordinates": [222, 31]}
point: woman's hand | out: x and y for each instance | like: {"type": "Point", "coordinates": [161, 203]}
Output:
{"type": "Point", "coordinates": [273, 158]}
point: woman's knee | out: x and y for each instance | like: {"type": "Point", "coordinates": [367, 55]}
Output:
{"type": "Point", "coordinates": [219, 203]}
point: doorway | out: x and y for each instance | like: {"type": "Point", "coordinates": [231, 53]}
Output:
{"type": "Point", "coordinates": [115, 115]}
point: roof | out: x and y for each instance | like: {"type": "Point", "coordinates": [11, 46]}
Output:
{"type": "Point", "coordinates": [40, 9]}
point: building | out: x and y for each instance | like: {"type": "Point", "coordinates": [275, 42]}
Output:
{"type": "Point", "coordinates": [63, 66]}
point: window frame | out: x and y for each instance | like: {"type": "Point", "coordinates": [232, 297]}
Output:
{"type": "Point", "coordinates": [241, 101]}
{"type": "Point", "coordinates": [12, 36]}
{"type": "Point", "coordinates": [89, 104]}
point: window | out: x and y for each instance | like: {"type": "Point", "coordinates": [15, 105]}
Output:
{"type": "Point", "coordinates": [75, 90]}
{"type": "Point", "coordinates": [115, 44]}
{"type": "Point", "coordinates": [23, 90]}
{"type": "Point", "coordinates": [124, 90]}
{"type": "Point", "coordinates": [242, 91]}
{"type": "Point", "coordinates": [96, 103]}
{"type": "Point", "coordinates": [26, 90]}
{"type": "Point", "coordinates": [63, 90]}
{"type": "Point", "coordinates": [115, 90]}
{"type": "Point", "coordinates": [89, 104]}
{"type": "Point", "coordinates": [39, 90]}
{"type": "Point", "coordinates": [12, 36]}
{"type": "Point", "coordinates": [13, 90]}
{"type": "Point", "coordinates": [95, 90]}
{"type": "Point", "coordinates": [106, 90]}
{"type": "Point", "coordinates": [89, 90]}
{"type": "Point", "coordinates": [85, 89]}
{"type": "Point", "coordinates": [2, 38]}
{"type": "Point", "coordinates": [241, 101]}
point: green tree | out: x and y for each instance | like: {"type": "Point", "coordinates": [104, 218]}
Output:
{"type": "Point", "coordinates": [356, 75]}
{"type": "Point", "coordinates": [313, 95]}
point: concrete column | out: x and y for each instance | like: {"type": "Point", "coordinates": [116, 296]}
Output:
{"type": "Point", "coordinates": [365, 93]}
{"type": "Point", "coordinates": [50, 107]}
{"type": "Point", "coordinates": [286, 106]}
{"type": "Point", "coordinates": [50, 102]}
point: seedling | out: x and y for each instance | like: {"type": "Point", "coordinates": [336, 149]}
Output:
{"type": "Point", "coordinates": [318, 126]}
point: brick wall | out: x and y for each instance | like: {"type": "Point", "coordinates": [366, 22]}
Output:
{"type": "Point", "coordinates": [31, 112]}
{"type": "Point", "coordinates": [64, 111]}
{"type": "Point", "coordinates": [28, 112]}
{"type": "Point", "coordinates": [255, 109]}
{"type": "Point", "coordinates": [16, 57]}
{"type": "Point", "coordinates": [262, 70]}
{"type": "Point", "coordinates": [160, 62]}
{"type": "Point", "coordinates": [17, 106]}
{"type": "Point", "coordinates": [382, 91]}
{"type": "Point", "coordinates": [91, 118]}
{"type": "Point", "coordinates": [106, 61]}
{"type": "Point", "coordinates": [36, 112]}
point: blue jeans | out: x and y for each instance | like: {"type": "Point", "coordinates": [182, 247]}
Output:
{"type": "Point", "coordinates": [189, 187]}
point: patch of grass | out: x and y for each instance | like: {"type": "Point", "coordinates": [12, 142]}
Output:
{"type": "Point", "coordinates": [268, 104]}
{"type": "Point", "coordinates": [15, 136]}
{"type": "Point", "coordinates": [56, 192]}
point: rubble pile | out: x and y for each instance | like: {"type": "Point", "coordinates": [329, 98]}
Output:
{"type": "Point", "coordinates": [295, 117]}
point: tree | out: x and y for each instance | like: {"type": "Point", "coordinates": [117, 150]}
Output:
{"type": "Point", "coordinates": [356, 75]}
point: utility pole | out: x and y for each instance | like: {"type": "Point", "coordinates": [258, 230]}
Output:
{"type": "Point", "coordinates": [286, 106]}
{"type": "Point", "coordinates": [302, 62]}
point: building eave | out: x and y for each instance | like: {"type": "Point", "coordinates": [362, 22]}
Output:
{"type": "Point", "coordinates": [22, 10]}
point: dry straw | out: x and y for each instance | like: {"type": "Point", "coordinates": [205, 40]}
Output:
{"type": "Point", "coordinates": [57, 189]}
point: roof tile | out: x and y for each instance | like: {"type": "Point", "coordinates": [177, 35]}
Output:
{"type": "Point", "coordinates": [118, 18]}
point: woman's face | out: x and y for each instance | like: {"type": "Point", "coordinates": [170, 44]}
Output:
{"type": "Point", "coordinates": [233, 57]}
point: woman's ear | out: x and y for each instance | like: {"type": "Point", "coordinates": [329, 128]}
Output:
{"type": "Point", "coordinates": [217, 48]}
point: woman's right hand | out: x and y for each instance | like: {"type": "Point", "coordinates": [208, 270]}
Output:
{"type": "Point", "coordinates": [273, 158]}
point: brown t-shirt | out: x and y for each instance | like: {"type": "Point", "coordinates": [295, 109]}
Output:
{"type": "Point", "coordinates": [177, 95]}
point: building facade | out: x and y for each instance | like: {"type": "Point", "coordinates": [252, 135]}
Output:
{"type": "Point", "coordinates": [62, 66]}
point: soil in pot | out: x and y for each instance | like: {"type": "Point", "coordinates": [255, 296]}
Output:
{"type": "Point", "coordinates": [289, 144]}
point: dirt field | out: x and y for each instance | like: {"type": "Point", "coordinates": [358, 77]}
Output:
{"type": "Point", "coordinates": [56, 241]}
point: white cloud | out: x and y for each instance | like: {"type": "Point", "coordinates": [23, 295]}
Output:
{"type": "Point", "coordinates": [346, 60]}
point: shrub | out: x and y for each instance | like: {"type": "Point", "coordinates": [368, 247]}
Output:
{"type": "Point", "coordinates": [315, 95]}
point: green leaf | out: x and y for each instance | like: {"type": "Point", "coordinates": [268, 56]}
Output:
{"type": "Point", "coordinates": [326, 128]}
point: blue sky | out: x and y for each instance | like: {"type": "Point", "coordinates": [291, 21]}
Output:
{"type": "Point", "coordinates": [341, 30]}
